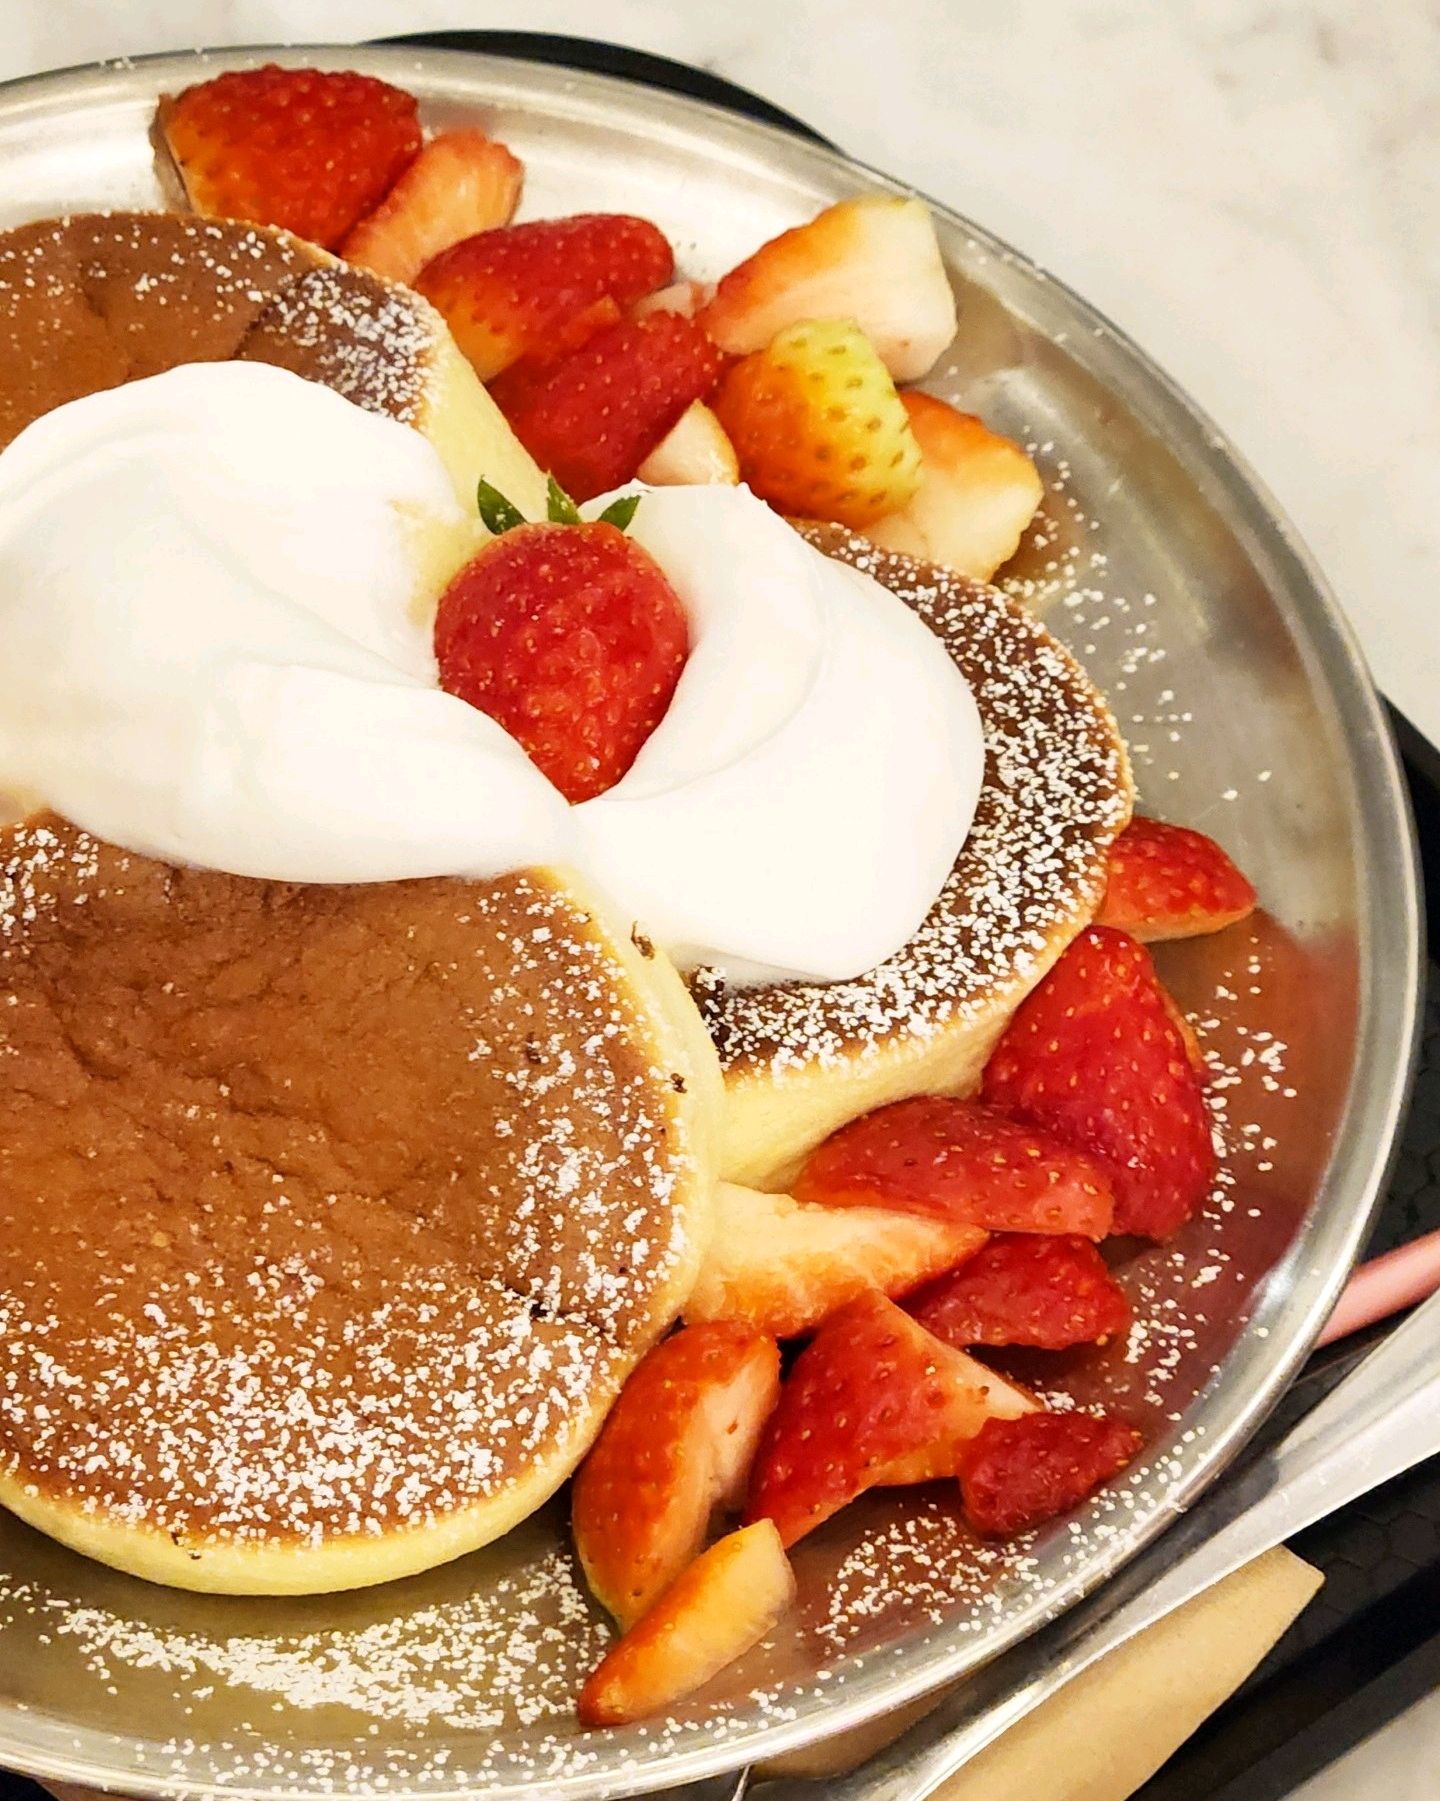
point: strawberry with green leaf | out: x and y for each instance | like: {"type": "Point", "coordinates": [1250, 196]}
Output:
{"type": "Point", "coordinates": [568, 634]}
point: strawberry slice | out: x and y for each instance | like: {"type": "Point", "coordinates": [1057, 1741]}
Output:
{"type": "Point", "coordinates": [306, 149]}
{"type": "Point", "coordinates": [818, 427]}
{"type": "Point", "coordinates": [873, 1399]}
{"type": "Point", "coordinates": [567, 634]}
{"type": "Point", "coordinates": [978, 492]}
{"type": "Point", "coordinates": [719, 1608]}
{"type": "Point", "coordinates": [461, 183]}
{"type": "Point", "coordinates": [782, 1267]}
{"type": "Point", "coordinates": [505, 293]}
{"type": "Point", "coordinates": [1015, 1474]}
{"type": "Point", "coordinates": [1169, 882]}
{"type": "Point", "coordinates": [592, 417]}
{"type": "Point", "coordinates": [1024, 1290]}
{"type": "Point", "coordinates": [873, 259]}
{"type": "Point", "coordinates": [960, 1161]}
{"type": "Point", "coordinates": [1093, 1057]}
{"type": "Point", "coordinates": [677, 1445]}
{"type": "Point", "coordinates": [694, 450]}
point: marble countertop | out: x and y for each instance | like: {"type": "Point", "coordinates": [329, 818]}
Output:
{"type": "Point", "coordinates": [1251, 188]}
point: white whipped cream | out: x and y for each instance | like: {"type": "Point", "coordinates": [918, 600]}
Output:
{"type": "Point", "coordinates": [207, 645]}
{"type": "Point", "coordinates": [210, 653]}
{"type": "Point", "coordinates": [799, 806]}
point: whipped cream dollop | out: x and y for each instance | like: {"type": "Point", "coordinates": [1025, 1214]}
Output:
{"type": "Point", "coordinates": [216, 595]}
{"type": "Point", "coordinates": [798, 808]}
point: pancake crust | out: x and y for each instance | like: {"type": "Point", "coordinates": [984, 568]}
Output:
{"type": "Point", "coordinates": [800, 1059]}
{"type": "Point", "coordinates": [98, 299]}
{"type": "Point", "coordinates": [331, 1218]}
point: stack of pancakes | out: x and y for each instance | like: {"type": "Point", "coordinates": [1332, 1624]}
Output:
{"type": "Point", "coordinates": [333, 1218]}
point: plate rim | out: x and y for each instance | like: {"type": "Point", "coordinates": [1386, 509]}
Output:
{"type": "Point", "coordinates": [1310, 1274]}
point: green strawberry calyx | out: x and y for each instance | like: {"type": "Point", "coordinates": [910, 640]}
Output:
{"type": "Point", "coordinates": [502, 515]}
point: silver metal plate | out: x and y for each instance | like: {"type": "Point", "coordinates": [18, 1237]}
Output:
{"type": "Point", "coordinates": [1164, 565]}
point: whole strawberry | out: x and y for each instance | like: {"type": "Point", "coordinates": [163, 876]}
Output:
{"type": "Point", "coordinates": [567, 634]}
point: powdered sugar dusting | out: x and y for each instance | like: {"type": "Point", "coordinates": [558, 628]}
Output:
{"type": "Point", "coordinates": [236, 1315]}
{"type": "Point", "coordinates": [1056, 792]}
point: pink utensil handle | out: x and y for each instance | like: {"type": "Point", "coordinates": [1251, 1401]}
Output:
{"type": "Point", "coordinates": [1386, 1285]}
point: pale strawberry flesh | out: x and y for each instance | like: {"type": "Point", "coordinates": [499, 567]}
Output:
{"type": "Point", "coordinates": [677, 1446]}
{"type": "Point", "coordinates": [782, 1267]}
{"type": "Point", "coordinates": [718, 1608]}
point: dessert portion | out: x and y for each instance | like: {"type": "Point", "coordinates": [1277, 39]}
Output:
{"type": "Point", "coordinates": [94, 300]}
{"type": "Point", "coordinates": [365, 1135]}
{"type": "Point", "coordinates": [332, 1216]}
{"type": "Point", "coordinates": [801, 1058]}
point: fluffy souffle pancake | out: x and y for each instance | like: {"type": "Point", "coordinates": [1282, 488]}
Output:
{"type": "Point", "coordinates": [97, 299]}
{"type": "Point", "coordinates": [801, 1059]}
{"type": "Point", "coordinates": [332, 1218]}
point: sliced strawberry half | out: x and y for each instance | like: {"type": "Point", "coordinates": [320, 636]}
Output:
{"type": "Point", "coordinates": [719, 1608]}
{"type": "Point", "coordinates": [873, 1399]}
{"type": "Point", "coordinates": [1094, 1058]}
{"type": "Point", "coordinates": [505, 293]}
{"type": "Point", "coordinates": [1020, 1289]}
{"type": "Point", "coordinates": [873, 259]}
{"type": "Point", "coordinates": [782, 1267]}
{"type": "Point", "coordinates": [311, 150]}
{"type": "Point", "coordinates": [977, 493]}
{"type": "Point", "coordinates": [593, 416]}
{"type": "Point", "coordinates": [1167, 881]}
{"type": "Point", "coordinates": [676, 1446]}
{"type": "Point", "coordinates": [818, 427]}
{"type": "Point", "coordinates": [960, 1161]}
{"type": "Point", "coordinates": [461, 183]}
{"type": "Point", "coordinates": [1015, 1474]}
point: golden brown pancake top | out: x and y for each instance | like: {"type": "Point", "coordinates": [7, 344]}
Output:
{"type": "Point", "coordinates": [99, 299]}
{"type": "Point", "coordinates": [323, 1209]}
{"type": "Point", "coordinates": [1056, 791]}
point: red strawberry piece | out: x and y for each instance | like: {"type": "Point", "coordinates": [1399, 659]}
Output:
{"type": "Point", "coordinates": [1169, 882]}
{"type": "Point", "coordinates": [1020, 1289]}
{"type": "Point", "coordinates": [592, 417]}
{"type": "Point", "coordinates": [461, 183]}
{"type": "Point", "coordinates": [783, 1267]}
{"type": "Point", "coordinates": [505, 293]}
{"type": "Point", "coordinates": [570, 637]}
{"type": "Point", "coordinates": [1015, 1474]}
{"type": "Point", "coordinates": [1094, 1057]}
{"type": "Point", "coordinates": [717, 1609]}
{"type": "Point", "coordinates": [307, 149]}
{"type": "Point", "coordinates": [874, 1398]}
{"type": "Point", "coordinates": [1180, 1019]}
{"type": "Point", "coordinates": [961, 1161]}
{"type": "Point", "coordinates": [676, 1446]}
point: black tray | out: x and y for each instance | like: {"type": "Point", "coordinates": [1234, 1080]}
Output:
{"type": "Point", "coordinates": [1368, 1646]}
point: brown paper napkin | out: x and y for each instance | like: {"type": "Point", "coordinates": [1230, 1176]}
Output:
{"type": "Point", "coordinates": [1106, 1733]}
{"type": "Point", "coordinates": [1109, 1730]}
